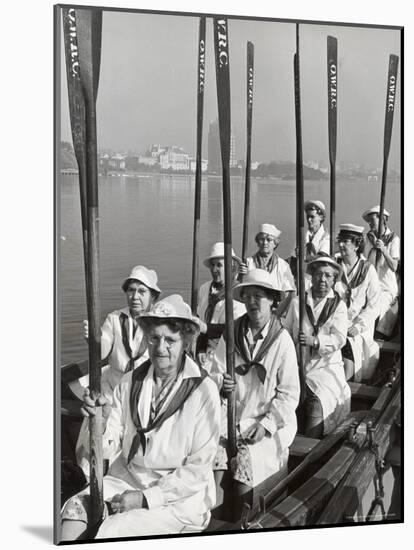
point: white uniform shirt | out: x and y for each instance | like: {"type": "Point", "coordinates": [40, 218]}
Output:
{"type": "Point", "coordinates": [321, 241]}
{"type": "Point", "coordinates": [281, 274]}
{"type": "Point", "coordinates": [272, 403]}
{"type": "Point", "coordinates": [177, 468]}
{"type": "Point", "coordinates": [324, 368]}
{"type": "Point", "coordinates": [219, 313]}
{"type": "Point", "coordinates": [362, 313]}
{"type": "Point", "coordinates": [118, 359]}
{"type": "Point", "coordinates": [387, 277]}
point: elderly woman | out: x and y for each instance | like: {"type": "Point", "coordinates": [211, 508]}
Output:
{"type": "Point", "coordinates": [123, 347]}
{"type": "Point", "coordinates": [360, 289]}
{"type": "Point", "coordinates": [267, 240]}
{"type": "Point", "coordinates": [211, 304]}
{"type": "Point", "coordinates": [164, 420]}
{"type": "Point", "coordinates": [266, 387]}
{"type": "Point", "coordinates": [387, 248]}
{"type": "Point", "coordinates": [325, 325]}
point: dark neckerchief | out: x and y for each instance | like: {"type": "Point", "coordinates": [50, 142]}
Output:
{"type": "Point", "coordinates": [358, 277]}
{"type": "Point", "coordinates": [261, 263]}
{"type": "Point", "coordinates": [328, 309]}
{"type": "Point", "coordinates": [123, 319]}
{"type": "Point", "coordinates": [240, 329]}
{"type": "Point", "coordinates": [187, 386]}
{"type": "Point", "coordinates": [213, 299]}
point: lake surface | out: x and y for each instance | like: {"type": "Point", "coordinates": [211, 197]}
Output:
{"type": "Point", "coordinates": [148, 220]}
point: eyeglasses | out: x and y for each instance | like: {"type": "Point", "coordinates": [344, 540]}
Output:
{"type": "Point", "coordinates": [263, 239]}
{"type": "Point", "coordinates": [168, 341]}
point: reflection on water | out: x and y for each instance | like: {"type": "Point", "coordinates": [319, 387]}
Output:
{"type": "Point", "coordinates": [148, 220]}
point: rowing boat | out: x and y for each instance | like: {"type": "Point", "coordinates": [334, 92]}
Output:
{"type": "Point", "coordinates": [350, 476]}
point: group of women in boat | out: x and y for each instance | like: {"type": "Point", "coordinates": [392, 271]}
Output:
{"type": "Point", "coordinates": [165, 388]}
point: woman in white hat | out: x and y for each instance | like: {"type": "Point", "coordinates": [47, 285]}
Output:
{"type": "Point", "coordinates": [266, 257]}
{"type": "Point", "coordinates": [388, 248]}
{"type": "Point", "coordinates": [359, 288]}
{"type": "Point", "coordinates": [164, 428]}
{"type": "Point", "coordinates": [327, 395]}
{"type": "Point", "coordinates": [211, 303]}
{"type": "Point", "coordinates": [123, 347]}
{"type": "Point", "coordinates": [266, 387]}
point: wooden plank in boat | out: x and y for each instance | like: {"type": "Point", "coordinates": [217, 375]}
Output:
{"type": "Point", "coordinates": [346, 498]}
{"type": "Point", "coordinates": [302, 445]}
{"type": "Point", "coordinates": [298, 508]}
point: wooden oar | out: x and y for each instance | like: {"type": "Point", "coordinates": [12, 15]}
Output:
{"type": "Point", "coordinates": [389, 117]}
{"type": "Point", "coordinates": [88, 23]}
{"type": "Point", "coordinates": [221, 48]}
{"type": "Point", "coordinates": [300, 223]}
{"type": "Point", "coordinates": [250, 76]}
{"type": "Point", "coordinates": [77, 116]}
{"type": "Point", "coordinates": [198, 172]}
{"type": "Point", "coordinates": [332, 117]}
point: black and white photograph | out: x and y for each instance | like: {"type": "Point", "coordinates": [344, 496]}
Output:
{"type": "Point", "coordinates": [204, 225]}
{"type": "Point", "coordinates": [229, 274]}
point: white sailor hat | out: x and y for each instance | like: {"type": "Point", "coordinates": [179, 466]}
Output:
{"type": "Point", "coordinates": [217, 251]}
{"type": "Point", "coordinates": [351, 228]}
{"type": "Point", "coordinates": [312, 205]}
{"type": "Point", "coordinates": [269, 229]}
{"type": "Point", "coordinates": [374, 210]}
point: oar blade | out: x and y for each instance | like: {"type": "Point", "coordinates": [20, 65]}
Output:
{"type": "Point", "coordinates": [332, 58]}
{"type": "Point", "coordinates": [221, 49]}
{"type": "Point", "coordinates": [390, 101]}
{"type": "Point", "coordinates": [89, 25]}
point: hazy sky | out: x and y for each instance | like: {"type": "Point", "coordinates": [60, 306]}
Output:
{"type": "Point", "coordinates": [147, 90]}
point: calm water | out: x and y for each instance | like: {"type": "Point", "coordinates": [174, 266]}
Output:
{"type": "Point", "coordinates": [148, 220]}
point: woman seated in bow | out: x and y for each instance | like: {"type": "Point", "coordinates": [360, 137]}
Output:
{"type": "Point", "coordinates": [123, 347]}
{"type": "Point", "coordinates": [211, 304]}
{"type": "Point", "coordinates": [266, 258]}
{"type": "Point", "coordinates": [360, 289]}
{"type": "Point", "coordinates": [164, 420]}
{"type": "Point", "coordinates": [266, 386]}
{"type": "Point", "coordinates": [327, 394]}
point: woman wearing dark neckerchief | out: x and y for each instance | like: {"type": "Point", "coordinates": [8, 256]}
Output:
{"type": "Point", "coordinates": [327, 399]}
{"type": "Point", "coordinates": [123, 347]}
{"type": "Point", "coordinates": [163, 427]}
{"type": "Point", "coordinates": [266, 387]}
{"type": "Point", "coordinates": [384, 254]}
{"type": "Point", "coordinates": [266, 257]}
{"type": "Point", "coordinates": [359, 288]}
{"type": "Point", "coordinates": [211, 304]}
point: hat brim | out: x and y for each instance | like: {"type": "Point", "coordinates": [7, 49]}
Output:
{"type": "Point", "coordinates": [154, 288]}
{"type": "Point", "coordinates": [194, 320]}
{"type": "Point", "coordinates": [206, 262]}
{"type": "Point", "coordinates": [310, 205]}
{"type": "Point", "coordinates": [369, 212]}
{"type": "Point", "coordinates": [238, 289]}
